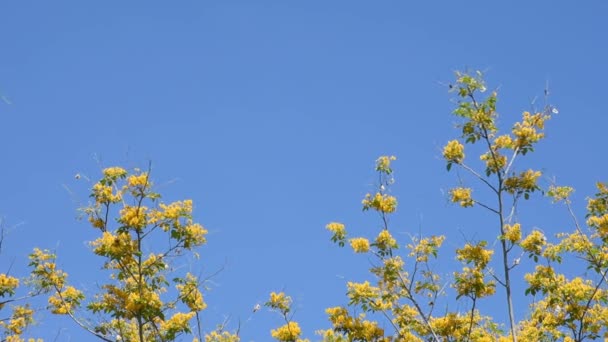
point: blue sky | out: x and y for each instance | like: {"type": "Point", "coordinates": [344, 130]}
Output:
{"type": "Point", "coordinates": [269, 115]}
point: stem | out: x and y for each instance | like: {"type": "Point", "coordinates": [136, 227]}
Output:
{"type": "Point", "coordinates": [582, 319]}
{"type": "Point", "coordinates": [505, 252]}
{"type": "Point", "coordinates": [472, 318]}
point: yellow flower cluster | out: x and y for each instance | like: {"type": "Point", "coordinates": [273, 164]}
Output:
{"type": "Point", "coordinates": [534, 242]}
{"type": "Point", "coordinates": [287, 333]}
{"type": "Point", "coordinates": [360, 245]}
{"type": "Point", "coordinates": [512, 233]}
{"type": "Point", "coordinates": [599, 204]}
{"type": "Point", "coordinates": [178, 323]}
{"type": "Point", "coordinates": [600, 223]}
{"type": "Point", "coordinates": [104, 194]}
{"type": "Point", "coordinates": [338, 230]}
{"type": "Point", "coordinates": [597, 209]}
{"type": "Point", "coordinates": [133, 216]}
{"type": "Point", "coordinates": [526, 131]}
{"type": "Point", "coordinates": [8, 285]}
{"type": "Point", "coordinates": [63, 303]}
{"type": "Point", "coordinates": [22, 317]}
{"type": "Point", "coordinates": [190, 294]}
{"type": "Point", "coordinates": [560, 193]}
{"type": "Point", "coordinates": [194, 235]}
{"type": "Point", "coordinates": [494, 161]}
{"type": "Point", "coordinates": [381, 202]}
{"type": "Point", "coordinates": [471, 283]}
{"type": "Point", "coordinates": [385, 241]}
{"type": "Point", "coordinates": [357, 328]}
{"type": "Point", "coordinates": [114, 172]}
{"type": "Point", "coordinates": [426, 247]}
{"type": "Point", "coordinates": [462, 196]}
{"type": "Point", "coordinates": [383, 164]}
{"type": "Point", "coordinates": [475, 254]}
{"type": "Point", "coordinates": [46, 275]}
{"type": "Point", "coordinates": [147, 301]}
{"type": "Point", "coordinates": [525, 182]}
{"type": "Point", "coordinates": [279, 301]}
{"type": "Point", "coordinates": [503, 141]}
{"type": "Point", "coordinates": [221, 336]}
{"type": "Point", "coordinates": [138, 181]}
{"type": "Point", "coordinates": [454, 152]}
{"type": "Point", "coordinates": [542, 277]}
{"type": "Point", "coordinates": [177, 209]}
{"type": "Point", "coordinates": [362, 292]}
{"type": "Point", "coordinates": [114, 246]}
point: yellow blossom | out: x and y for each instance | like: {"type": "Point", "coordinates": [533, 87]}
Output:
{"type": "Point", "coordinates": [221, 336]}
{"type": "Point", "coordinates": [279, 301]}
{"type": "Point", "coordinates": [133, 216]}
{"type": "Point", "coordinates": [525, 182]}
{"type": "Point", "coordinates": [336, 228]}
{"type": "Point", "coordinates": [178, 323]}
{"type": "Point", "coordinates": [494, 161]}
{"type": "Point", "coordinates": [140, 180]}
{"type": "Point", "coordinates": [63, 302]}
{"type": "Point", "coordinates": [560, 193]}
{"type": "Point", "coordinates": [105, 194]}
{"type": "Point", "coordinates": [454, 152]}
{"type": "Point", "coordinates": [383, 164]}
{"type": "Point", "coordinates": [475, 254]}
{"type": "Point", "coordinates": [385, 241]}
{"type": "Point", "coordinates": [8, 285]}
{"type": "Point", "coordinates": [534, 242]}
{"type": "Point", "coordinates": [288, 332]}
{"type": "Point", "coordinates": [526, 131]}
{"type": "Point", "coordinates": [503, 141]}
{"type": "Point", "coordinates": [512, 232]}
{"type": "Point", "coordinates": [381, 202]}
{"type": "Point", "coordinates": [462, 196]}
{"type": "Point", "coordinates": [114, 172]}
{"type": "Point", "coordinates": [360, 245]}
{"type": "Point", "coordinates": [190, 294]}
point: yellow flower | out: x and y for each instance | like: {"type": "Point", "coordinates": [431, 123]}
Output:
{"type": "Point", "coordinates": [560, 193]}
{"type": "Point", "coordinates": [178, 323]}
{"type": "Point", "coordinates": [383, 164]}
{"type": "Point", "coordinates": [133, 217]}
{"type": "Point", "coordinates": [360, 245]}
{"type": "Point", "coordinates": [223, 336]}
{"type": "Point", "coordinates": [454, 152]}
{"type": "Point", "coordinates": [288, 332]}
{"type": "Point", "coordinates": [385, 241]}
{"type": "Point", "coordinates": [462, 196]}
{"type": "Point", "coordinates": [190, 294]}
{"type": "Point", "coordinates": [526, 131]}
{"type": "Point", "coordinates": [63, 303]}
{"type": "Point", "coordinates": [534, 242]}
{"type": "Point", "coordinates": [381, 202]}
{"type": "Point", "coordinates": [512, 232]}
{"type": "Point", "coordinates": [279, 301]}
{"type": "Point", "coordinates": [339, 232]}
{"type": "Point", "coordinates": [105, 194]}
{"type": "Point", "coordinates": [525, 182]}
{"type": "Point", "coordinates": [362, 291]}
{"type": "Point", "coordinates": [114, 172]}
{"type": "Point", "coordinates": [8, 285]}
{"type": "Point", "coordinates": [503, 141]}
{"type": "Point", "coordinates": [494, 161]}
{"type": "Point", "coordinates": [475, 254]}
{"type": "Point", "coordinates": [140, 180]}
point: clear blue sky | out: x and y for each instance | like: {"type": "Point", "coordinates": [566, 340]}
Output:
{"type": "Point", "coordinates": [269, 115]}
